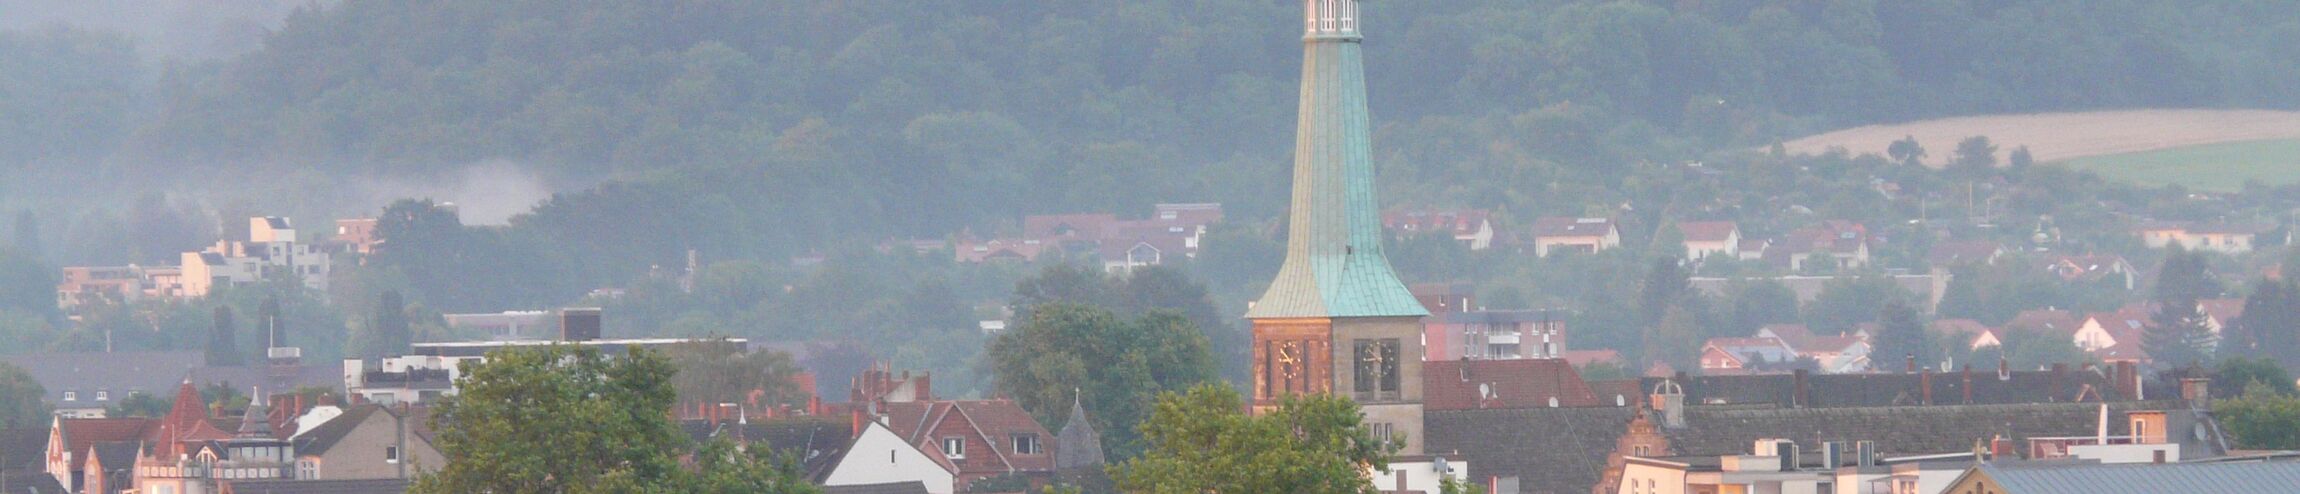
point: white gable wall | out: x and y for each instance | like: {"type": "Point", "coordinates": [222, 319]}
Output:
{"type": "Point", "coordinates": [878, 456]}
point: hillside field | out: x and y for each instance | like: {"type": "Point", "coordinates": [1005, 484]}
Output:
{"type": "Point", "coordinates": [2053, 137]}
{"type": "Point", "coordinates": [2217, 167]}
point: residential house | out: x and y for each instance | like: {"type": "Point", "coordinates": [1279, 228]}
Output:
{"type": "Point", "coordinates": [2110, 269]}
{"type": "Point", "coordinates": [859, 464]}
{"type": "Point", "coordinates": [2049, 320]}
{"type": "Point", "coordinates": [356, 236]}
{"type": "Point", "coordinates": [1786, 467]}
{"type": "Point", "coordinates": [1970, 333]}
{"type": "Point", "coordinates": [367, 442]}
{"type": "Point", "coordinates": [1927, 287]}
{"type": "Point", "coordinates": [982, 438]}
{"type": "Point", "coordinates": [2225, 238]}
{"type": "Point", "coordinates": [1517, 383]}
{"type": "Point", "coordinates": [1711, 238]}
{"type": "Point", "coordinates": [81, 385]}
{"type": "Point", "coordinates": [1837, 354]}
{"type": "Point", "coordinates": [1844, 244]}
{"type": "Point", "coordinates": [2102, 330]}
{"type": "Point", "coordinates": [1440, 298]}
{"type": "Point", "coordinates": [1472, 227]}
{"type": "Point", "coordinates": [1727, 355]}
{"type": "Point", "coordinates": [1501, 334]}
{"type": "Point", "coordinates": [1568, 234]}
{"type": "Point", "coordinates": [2082, 478]}
{"type": "Point", "coordinates": [270, 251]}
{"type": "Point", "coordinates": [970, 250]}
{"type": "Point", "coordinates": [1419, 474]}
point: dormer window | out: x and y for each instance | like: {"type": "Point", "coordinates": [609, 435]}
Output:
{"type": "Point", "coordinates": [1027, 444]}
{"type": "Point", "coordinates": [954, 447]}
{"type": "Point", "coordinates": [103, 396]}
{"type": "Point", "coordinates": [71, 396]}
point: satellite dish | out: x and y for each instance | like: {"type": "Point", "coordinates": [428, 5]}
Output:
{"type": "Point", "coordinates": [2201, 434]}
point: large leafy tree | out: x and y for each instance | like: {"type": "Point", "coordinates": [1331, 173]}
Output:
{"type": "Point", "coordinates": [559, 419]}
{"type": "Point", "coordinates": [1116, 366]}
{"type": "Point", "coordinates": [714, 372]}
{"type": "Point", "coordinates": [2261, 418]}
{"type": "Point", "coordinates": [1901, 333]}
{"type": "Point", "coordinates": [1203, 441]}
{"type": "Point", "coordinates": [20, 399]}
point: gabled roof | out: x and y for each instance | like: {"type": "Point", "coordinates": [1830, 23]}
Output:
{"type": "Point", "coordinates": [1506, 383]}
{"type": "Point", "coordinates": [817, 441]}
{"type": "Point", "coordinates": [1457, 222]}
{"type": "Point", "coordinates": [994, 421]}
{"type": "Point", "coordinates": [118, 373]}
{"type": "Point", "coordinates": [1707, 231]}
{"type": "Point", "coordinates": [2050, 320]}
{"type": "Point", "coordinates": [82, 434]}
{"type": "Point", "coordinates": [2221, 309]}
{"type": "Point", "coordinates": [118, 456]}
{"type": "Point", "coordinates": [2272, 476]}
{"type": "Point", "coordinates": [1793, 334]}
{"type": "Point", "coordinates": [320, 439]}
{"type": "Point", "coordinates": [1964, 252]}
{"type": "Point", "coordinates": [1566, 226]}
{"type": "Point", "coordinates": [1770, 349]}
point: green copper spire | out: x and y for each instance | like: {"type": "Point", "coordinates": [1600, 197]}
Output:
{"type": "Point", "coordinates": [1334, 264]}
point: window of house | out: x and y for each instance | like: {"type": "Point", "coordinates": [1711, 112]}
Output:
{"type": "Point", "coordinates": [1641, 450]}
{"type": "Point", "coordinates": [103, 396]}
{"type": "Point", "coordinates": [391, 454]}
{"type": "Point", "coordinates": [954, 447]}
{"type": "Point", "coordinates": [307, 470]}
{"type": "Point", "coordinates": [71, 396]}
{"type": "Point", "coordinates": [1382, 431]}
{"type": "Point", "coordinates": [1026, 444]}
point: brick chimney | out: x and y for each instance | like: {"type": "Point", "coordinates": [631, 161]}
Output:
{"type": "Point", "coordinates": [1925, 380]}
{"type": "Point", "coordinates": [1968, 384]}
{"type": "Point", "coordinates": [2197, 392]}
{"type": "Point", "coordinates": [1802, 395]}
{"type": "Point", "coordinates": [2127, 380]}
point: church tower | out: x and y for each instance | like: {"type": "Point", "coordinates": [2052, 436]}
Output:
{"type": "Point", "coordinates": [1336, 319]}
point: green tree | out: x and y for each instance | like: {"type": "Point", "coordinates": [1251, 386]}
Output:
{"type": "Point", "coordinates": [1756, 303]}
{"type": "Point", "coordinates": [2261, 418]}
{"type": "Point", "coordinates": [717, 371]}
{"type": "Point", "coordinates": [1906, 151]}
{"type": "Point", "coordinates": [722, 467]}
{"type": "Point", "coordinates": [2177, 336]}
{"type": "Point", "coordinates": [2270, 326]}
{"type": "Point", "coordinates": [1675, 340]}
{"type": "Point", "coordinates": [223, 341]}
{"type": "Point", "coordinates": [22, 399]}
{"type": "Point", "coordinates": [559, 419]}
{"type": "Point", "coordinates": [1203, 441]}
{"type": "Point", "coordinates": [2020, 159]}
{"type": "Point", "coordinates": [1901, 332]}
{"type": "Point", "coordinates": [2185, 275]}
{"type": "Point", "coordinates": [1962, 299]}
{"type": "Point", "coordinates": [1066, 349]}
{"type": "Point", "coordinates": [1845, 302]}
{"type": "Point", "coordinates": [1667, 284]}
{"type": "Point", "coordinates": [1975, 156]}
{"type": "Point", "coordinates": [2241, 373]}
{"type": "Point", "coordinates": [139, 404]}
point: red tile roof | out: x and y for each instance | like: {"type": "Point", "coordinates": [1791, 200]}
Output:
{"type": "Point", "coordinates": [1563, 226]}
{"type": "Point", "coordinates": [1707, 231]}
{"type": "Point", "coordinates": [1509, 383]}
{"type": "Point", "coordinates": [994, 421]}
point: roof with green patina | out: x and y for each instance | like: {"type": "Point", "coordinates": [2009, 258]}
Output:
{"type": "Point", "coordinates": [1334, 262]}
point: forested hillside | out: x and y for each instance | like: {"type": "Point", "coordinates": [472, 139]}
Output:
{"type": "Point", "coordinates": [866, 119]}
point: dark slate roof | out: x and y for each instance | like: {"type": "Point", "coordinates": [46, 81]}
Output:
{"type": "Point", "coordinates": [23, 449]}
{"type": "Point", "coordinates": [2188, 477]}
{"type": "Point", "coordinates": [118, 456]}
{"type": "Point", "coordinates": [1896, 389]}
{"type": "Point", "coordinates": [1896, 430]}
{"type": "Point", "coordinates": [817, 441]}
{"type": "Point", "coordinates": [375, 486]}
{"type": "Point", "coordinates": [1077, 445]}
{"type": "Point", "coordinates": [31, 482]}
{"type": "Point", "coordinates": [317, 440]}
{"type": "Point", "coordinates": [1504, 383]}
{"type": "Point", "coordinates": [912, 487]}
{"type": "Point", "coordinates": [119, 373]}
{"type": "Point", "coordinates": [1550, 450]}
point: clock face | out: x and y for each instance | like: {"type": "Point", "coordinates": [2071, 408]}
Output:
{"type": "Point", "coordinates": [1290, 359]}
